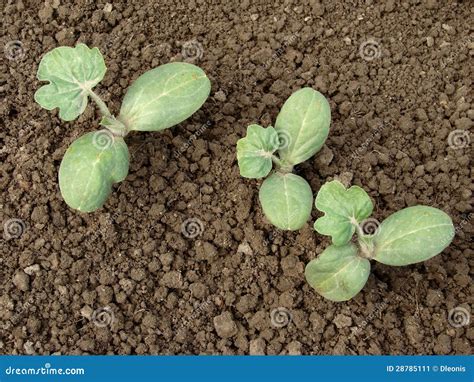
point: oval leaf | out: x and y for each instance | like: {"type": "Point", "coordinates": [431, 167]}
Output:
{"type": "Point", "coordinates": [412, 235]}
{"type": "Point", "coordinates": [89, 167]}
{"type": "Point", "coordinates": [164, 97]}
{"type": "Point", "coordinates": [72, 73]}
{"type": "Point", "coordinates": [286, 200]}
{"type": "Point", "coordinates": [343, 210]}
{"type": "Point", "coordinates": [254, 152]}
{"type": "Point", "coordinates": [338, 274]}
{"type": "Point", "coordinates": [304, 120]}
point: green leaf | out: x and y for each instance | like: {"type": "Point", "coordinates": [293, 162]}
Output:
{"type": "Point", "coordinates": [338, 274]}
{"type": "Point", "coordinates": [254, 152]}
{"type": "Point", "coordinates": [412, 235]}
{"type": "Point", "coordinates": [286, 200]}
{"type": "Point", "coordinates": [344, 210]}
{"type": "Point", "coordinates": [90, 166]}
{"type": "Point", "coordinates": [304, 120]}
{"type": "Point", "coordinates": [72, 73]}
{"type": "Point", "coordinates": [164, 97]}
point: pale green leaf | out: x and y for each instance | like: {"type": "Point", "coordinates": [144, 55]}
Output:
{"type": "Point", "coordinates": [164, 96]}
{"type": "Point", "coordinates": [338, 274]}
{"type": "Point", "coordinates": [254, 152]}
{"type": "Point", "coordinates": [304, 120]}
{"type": "Point", "coordinates": [286, 200]}
{"type": "Point", "coordinates": [90, 166]}
{"type": "Point", "coordinates": [343, 210]}
{"type": "Point", "coordinates": [412, 235]}
{"type": "Point", "coordinates": [72, 73]}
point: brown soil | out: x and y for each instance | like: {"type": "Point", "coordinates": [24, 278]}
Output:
{"type": "Point", "coordinates": [127, 280]}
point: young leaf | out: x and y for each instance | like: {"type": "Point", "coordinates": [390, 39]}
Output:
{"type": "Point", "coordinates": [412, 235]}
{"type": "Point", "coordinates": [286, 200]}
{"type": "Point", "coordinates": [164, 97]}
{"type": "Point", "coordinates": [254, 152]}
{"type": "Point", "coordinates": [344, 210]}
{"type": "Point", "coordinates": [338, 274]}
{"type": "Point", "coordinates": [72, 73]}
{"type": "Point", "coordinates": [90, 166]}
{"type": "Point", "coordinates": [304, 119]}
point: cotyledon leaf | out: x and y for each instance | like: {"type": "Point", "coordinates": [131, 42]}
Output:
{"type": "Point", "coordinates": [304, 123]}
{"type": "Point", "coordinates": [338, 274]}
{"type": "Point", "coordinates": [343, 210]}
{"type": "Point", "coordinates": [164, 96]}
{"type": "Point", "coordinates": [72, 73]}
{"type": "Point", "coordinates": [286, 200]}
{"type": "Point", "coordinates": [412, 235]}
{"type": "Point", "coordinates": [90, 166]}
{"type": "Point", "coordinates": [254, 152]}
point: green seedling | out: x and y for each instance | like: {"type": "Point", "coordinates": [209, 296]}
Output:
{"type": "Point", "coordinates": [158, 99]}
{"type": "Point", "coordinates": [300, 131]}
{"type": "Point", "coordinates": [409, 236]}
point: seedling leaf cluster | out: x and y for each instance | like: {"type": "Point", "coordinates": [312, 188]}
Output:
{"type": "Point", "coordinates": [409, 236]}
{"type": "Point", "coordinates": [301, 128]}
{"type": "Point", "coordinates": [158, 99]}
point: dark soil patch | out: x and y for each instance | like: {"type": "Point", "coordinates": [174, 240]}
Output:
{"type": "Point", "coordinates": [126, 280]}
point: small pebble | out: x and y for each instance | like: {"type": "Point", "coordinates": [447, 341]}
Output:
{"type": "Point", "coordinates": [137, 274]}
{"type": "Point", "coordinates": [257, 347]}
{"type": "Point", "coordinates": [220, 96]}
{"type": "Point", "coordinates": [108, 8]}
{"type": "Point", "coordinates": [245, 249]}
{"type": "Point", "coordinates": [342, 321]}
{"type": "Point", "coordinates": [35, 268]}
{"type": "Point", "coordinates": [172, 279]}
{"type": "Point", "coordinates": [22, 281]}
{"type": "Point", "coordinates": [225, 325]}
{"type": "Point", "coordinates": [86, 312]}
{"type": "Point", "coordinates": [294, 348]}
{"type": "Point", "coordinates": [166, 259]}
{"type": "Point", "coordinates": [199, 290]}
{"type": "Point", "coordinates": [29, 349]}
{"type": "Point", "coordinates": [421, 115]}
{"type": "Point", "coordinates": [446, 27]}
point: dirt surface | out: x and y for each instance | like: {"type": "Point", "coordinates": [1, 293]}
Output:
{"type": "Point", "coordinates": [181, 258]}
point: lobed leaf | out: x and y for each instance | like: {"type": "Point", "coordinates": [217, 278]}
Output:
{"type": "Point", "coordinates": [286, 200]}
{"type": "Point", "coordinates": [89, 167]}
{"type": "Point", "coordinates": [164, 97]}
{"type": "Point", "coordinates": [72, 73]}
{"type": "Point", "coordinates": [412, 235]}
{"type": "Point", "coordinates": [343, 210]}
{"type": "Point", "coordinates": [304, 119]}
{"type": "Point", "coordinates": [254, 152]}
{"type": "Point", "coordinates": [338, 274]}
